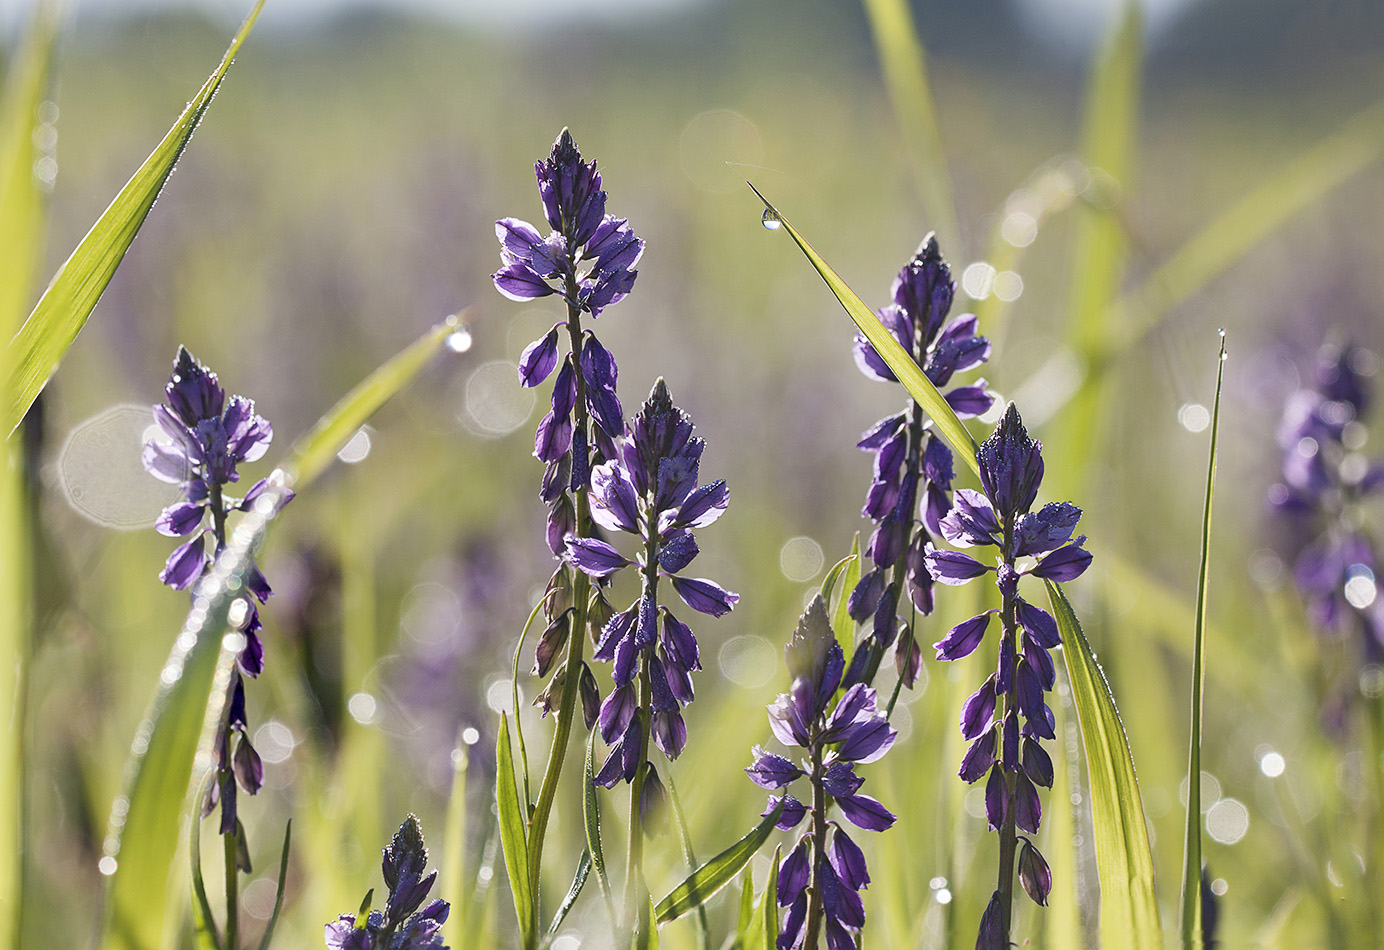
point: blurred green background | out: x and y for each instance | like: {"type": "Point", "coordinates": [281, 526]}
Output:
{"type": "Point", "coordinates": [340, 198]}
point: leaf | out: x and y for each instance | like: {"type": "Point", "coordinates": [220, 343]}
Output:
{"type": "Point", "coordinates": [204, 932]}
{"type": "Point", "coordinates": [314, 452]}
{"type": "Point", "coordinates": [841, 621]}
{"type": "Point", "coordinates": [690, 856]}
{"type": "Point", "coordinates": [512, 838]}
{"type": "Point", "coordinates": [591, 815]}
{"type": "Point", "coordinates": [904, 63]}
{"type": "Point", "coordinates": [763, 931]}
{"type": "Point", "coordinates": [278, 890]}
{"type": "Point", "coordinates": [187, 705]}
{"type": "Point", "coordinates": [716, 873]}
{"type": "Point", "coordinates": [578, 882]}
{"type": "Point", "coordinates": [746, 915]}
{"type": "Point", "coordinates": [1191, 854]}
{"type": "Point", "coordinates": [62, 311]}
{"type": "Point", "coordinates": [894, 355]}
{"type": "Point", "coordinates": [1129, 910]}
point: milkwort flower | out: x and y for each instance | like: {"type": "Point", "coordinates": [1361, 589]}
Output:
{"type": "Point", "coordinates": [913, 467]}
{"type": "Point", "coordinates": [1004, 751]}
{"type": "Point", "coordinates": [397, 927]}
{"type": "Point", "coordinates": [588, 260]}
{"type": "Point", "coordinates": [206, 437]}
{"type": "Point", "coordinates": [821, 878]}
{"type": "Point", "coordinates": [650, 490]}
{"type": "Point", "coordinates": [1325, 480]}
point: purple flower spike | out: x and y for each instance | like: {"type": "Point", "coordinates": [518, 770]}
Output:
{"type": "Point", "coordinates": [1011, 465]}
{"type": "Point", "coordinates": [398, 925]}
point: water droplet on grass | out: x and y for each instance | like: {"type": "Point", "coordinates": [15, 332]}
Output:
{"type": "Point", "coordinates": [771, 220]}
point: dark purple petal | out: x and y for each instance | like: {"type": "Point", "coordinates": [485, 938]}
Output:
{"type": "Point", "coordinates": [991, 936]}
{"type": "Point", "coordinates": [952, 567]}
{"type": "Point", "coordinates": [1029, 691]}
{"type": "Point", "coordinates": [616, 630]}
{"type": "Point", "coordinates": [1041, 531]}
{"type": "Point", "coordinates": [1036, 763]}
{"type": "Point", "coordinates": [794, 873]}
{"type": "Point", "coordinates": [873, 439]}
{"type": "Point", "coordinates": [870, 362]}
{"type": "Point", "coordinates": [167, 463]}
{"type": "Point", "coordinates": [618, 710]}
{"type": "Point", "coordinates": [519, 281]}
{"type": "Point", "coordinates": [562, 521]}
{"type": "Point", "coordinates": [978, 710]}
{"type": "Point", "coordinates": [590, 697]}
{"type": "Point", "coordinates": [864, 812]}
{"type": "Point", "coordinates": [703, 506]}
{"type": "Point", "coordinates": [251, 657]}
{"type": "Point", "coordinates": [840, 903]}
{"type": "Point", "coordinates": [248, 768]}
{"type": "Point", "coordinates": [179, 520]}
{"type": "Point", "coordinates": [882, 498]}
{"type": "Point", "coordinates": [564, 389]}
{"type": "Point", "coordinates": [791, 934]}
{"type": "Point", "coordinates": [1044, 726]}
{"type": "Point", "coordinates": [978, 758]}
{"type": "Point", "coordinates": [955, 354]}
{"type": "Point", "coordinates": [1039, 624]}
{"type": "Point", "coordinates": [1028, 811]}
{"type": "Point", "coordinates": [847, 860]}
{"type": "Point", "coordinates": [996, 798]}
{"type": "Point", "coordinates": [792, 815]}
{"type": "Point", "coordinates": [1009, 732]}
{"type": "Point", "coordinates": [553, 439]}
{"type": "Point", "coordinates": [1034, 874]}
{"type": "Point", "coordinates": [677, 553]}
{"type": "Point", "coordinates": [867, 740]}
{"type": "Point", "coordinates": [838, 937]}
{"type": "Point", "coordinates": [840, 779]}
{"type": "Point", "coordinates": [772, 771]}
{"type": "Point", "coordinates": [669, 732]}
{"type": "Point", "coordinates": [193, 390]}
{"type": "Point", "coordinates": [938, 463]}
{"type": "Point", "coordinates": [971, 520]}
{"type": "Point", "coordinates": [595, 558]}
{"type": "Point", "coordinates": [865, 597]}
{"type": "Point", "coordinates": [679, 679]}
{"type": "Point", "coordinates": [908, 658]}
{"type": "Point", "coordinates": [247, 435]}
{"type": "Point", "coordinates": [1067, 563]}
{"type": "Point", "coordinates": [919, 581]}
{"type": "Point", "coordinates": [185, 564]}
{"type": "Point", "coordinates": [680, 643]}
{"type": "Point", "coordinates": [857, 704]}
{"type": "Point", "coordinates": [703, 595]}
{"type": "Point", "coordinates": [1007, 580]}
{"type": "Point", "coordinates": [962, 640]}
{"type": "Point", "coordinates": [581, 460]}
{"type": "Point", "coordinates": [1041, 663]}
{"type": "Point", "coordinates": [971, 401]}
{"type": "Point", "coordinates": [614, 505]}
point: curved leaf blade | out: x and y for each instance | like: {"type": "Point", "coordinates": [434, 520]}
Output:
{"type": "Point", "coordinates": [894, 355]}
{"type": "Point", "coordinates": [1191, 853]}
{"type": "Point", "coordinates": [716, 873]}
{"type": "Point", "coordinates": [512, 837]}
{"type": "Point", "coordinates": [591, 819]}
{"type": "Point", "coordinates": [314, 452]}
{"type": "Point", "coordinates": [578, 882]}
{"type": "Point", "coordinates": [279, 889]}
{"type": "Point", "coordinates": [62, 311]}
{"type": "Point", "coordinates": [1124, 859]}
{"type": "Point", "coordinates": [763, 930]}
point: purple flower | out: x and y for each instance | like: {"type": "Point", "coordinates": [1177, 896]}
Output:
{"type": "Point", "coordinates": [397, 927]}
{"type": "Point", "coordinates": [836, 735]}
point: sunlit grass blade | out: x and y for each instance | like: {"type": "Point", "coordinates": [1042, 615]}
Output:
{"type": "Point", "coordinates": [1230, 236]}
{"type": "Point", "coordinates": [904, 62]}
{"type": "Point", "coordinates": [62, 311]}
{"type": "Point", "coordinates": [834, 575]}
{"type": "Point", "coordinates": [1062, 918]}
{"type": "Point", "coordinates": [716, 873]}
{"type": "Point", "coordinates": [568, 902]}
{"type": "Point", "coordinates": [591, 819]}
{"type": "Point", "coordinates": [763, 930]}
{"type": "Point", "coordinates": [841, 623]}
{"type": "Point", "coordinates": [269, 928]}
{"type": "Point", "coordinates": [746, 914]}
{"type": "Point", "coordinates": [514, 693]}
{"type": "Point", "coordinates": [1191, 854]}
{"type": "Point", "coordinates": [192, 685]}
{"type": "Point", "coordinates": [1099, 247]}
{"type": "Point", "coordinates": [1124, 860]}
{"type": "Point", "coordinates": [204, 933]}
{"type": "Point", "coordinates": [512, 837]}
{"type": "Point", "coordinates": [457, 886]}
{"type": "Point", "coordinates": [894, 355]}
{"type": "Point", "coordinates": [689, 856]}
{"type": "Point", "coordinates": [314, 452]}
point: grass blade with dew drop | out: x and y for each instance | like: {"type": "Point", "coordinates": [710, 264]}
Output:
{"type": "Point", "coordinates": [716, 873]}
{"type": "Point", "coordinates": [591, 819]}
{"type": "Point", "coordinates": [568, 902]}
{"type": "Point", "coordinates": [1191, 854]}
{"type": "Point", "coordinates": [512, 834]}
{"type": "Point", "coordinates": [904, 64]}
{"type": "Point", "coordinates": [1124, 859]}
{"type": "Point", "coordinates": [40, 344]}
{"type": "Point", "coordinates": [948, 426]}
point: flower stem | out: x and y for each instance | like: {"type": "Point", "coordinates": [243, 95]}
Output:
{"type": "Point", "coordinates": [1008, 839]}
{"type": "Point", "coordinates": [819, 847]}
{"type": "Point", "coordinates": [228, 849]}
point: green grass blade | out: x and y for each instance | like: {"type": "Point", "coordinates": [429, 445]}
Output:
{"type": "Point", "coordinates": [512, 838]}
{"type": "Point", "coordinates": [841, 623]}
{"type": "Point", "coordinates": [568, 902]}
{"type": "Point", "coordinates": [279, 889]}
{"type": "Point", "coordinates": [763, 932]}
{"type": "Point", "coordinates": [834, 575]}
{"type": "Point", "coordinates": [894, 355]}
{"type": "Point", "coordinates": [62, 311]}
{"type": "Point", "coordinates": [746, 914]}
{"type": "Point", "coordinates": [1124, 860]}
{"type": "Point", "coordinates": [1191, 854]}
{"type": "Point", "coordinates": [457, 886]}
{"type": "Point", "coordinates": [690, 856]}
{"type": "Point", "coordinates": [716, 873]}
{"type": "Point", "coordinates": [904, 63]}
{"type": "Point", "coordinates": [204, 932]}
{"type": "Point", "coordinates": [192, 686]}
{"type": "Point", "coordinates": [591, 818]}
{"type": "Point", "coordinates": [1226, 239]}
{"type": "Point", "coordinates": [314, 452]}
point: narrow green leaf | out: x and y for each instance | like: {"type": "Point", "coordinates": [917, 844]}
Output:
{"type": "Point", "coordinates": [512, 838]}
{"type": "Point", "coordinates": [689, 856]}
{"type": "Point", "coordinates": [514, 692]}
{"type": "Point", "coordinates": [457, 886]}
{"type": "Point", "coordinates": [591, 815]}
{"type": "Point", "coordinates": [833, 575]}
{"type": "Point", "coordinates": [841, 622]}
{"type": "Point", "coordinates": [1191, 854]}
{"type": "Point", "coordinates": [314, 452]}
{"type": "Point", "coordinates": [763, 930]}
{"type": "Point", "coordinates": [62, 311]}
{"type": "Point", "coordinates": [716, 873]}
{"type": "Point", "coordinates": [894, 355]}
{"type": "Point", "coordinates": [578, 882]}
{"type": "Point", "coordinates": [204, 932]}
{"type": "Point", "coordinates": [279, 889]}
{"type": "Point", "coordinates": [1124, 861]}
{"type": "Point", "coordinates": [904, 62]}
{"type": "Point", "coordinates": [746, 916]}
{"type": "Point", "coordinates": [187, 705]}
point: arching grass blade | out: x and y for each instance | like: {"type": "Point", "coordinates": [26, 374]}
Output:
{"type": "Point", "coordinates": [716, 873]}
{"type": "Point", "coordinates": [578, 882]}
{"type": "Point", "coordinates": [512, 837]}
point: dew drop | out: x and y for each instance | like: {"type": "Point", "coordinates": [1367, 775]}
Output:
{"type": "Point", "coordinates": [771, 220]}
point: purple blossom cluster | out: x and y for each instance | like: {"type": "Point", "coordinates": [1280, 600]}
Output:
{"type": "Point", "coordinates": [397, 927]}
{"type": "Point", "coordinates": [650, 490]}
{"type": "Point", "coordinates": [821, 878]}
{"type": "Point", "coordinates": [207, 437]}
{"type": "Point", "coordinates": [588, 260]}
{"type": "Point", "coordinates": [1003, 748]}
{"type": "Point", "coordinates": [911, 489]}
{"type": "Point", "coordinates": [1325, 479]}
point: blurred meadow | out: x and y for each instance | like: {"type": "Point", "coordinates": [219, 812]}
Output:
{"type": "Point", "coordinates": [340, 198]}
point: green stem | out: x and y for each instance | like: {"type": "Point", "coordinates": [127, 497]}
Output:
{"type": "Point", "coordinates": [819, 847]}
{"type": "Point", "coordinates": [1008, 839]}
{"type": "Point", "coordinates": [228, 850]}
